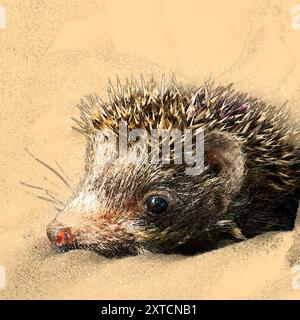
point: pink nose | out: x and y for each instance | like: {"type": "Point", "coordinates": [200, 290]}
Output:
{"type": "Point", "coordinates": [59, 235]}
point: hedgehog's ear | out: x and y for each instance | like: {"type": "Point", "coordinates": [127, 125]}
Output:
{"type": "Point", "coordinates": [225, 158]}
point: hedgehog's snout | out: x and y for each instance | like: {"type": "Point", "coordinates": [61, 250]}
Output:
{"type": "Point", "coordinates": [59, 235]}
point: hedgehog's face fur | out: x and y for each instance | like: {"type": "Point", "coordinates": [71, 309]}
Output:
{"type": "Point", "coordinates": [124, 208]}
{"type": "Point", "coordinates": [248, 186]}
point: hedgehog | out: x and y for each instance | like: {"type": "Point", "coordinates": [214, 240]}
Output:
{"type": "Point", "coordinates": [248, 185]}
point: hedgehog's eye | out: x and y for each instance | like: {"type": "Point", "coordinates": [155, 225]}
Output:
{"type": "Point", "coordinates": [157, 204]}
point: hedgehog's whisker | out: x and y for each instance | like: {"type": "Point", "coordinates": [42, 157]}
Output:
{"type": "Point", "coordinates": [47, 199]}
{"type": "Point", "coordinates": [48, 193]}
{"type": "Point", "coordinates": [62, 170]}
{"type": "Point", "coordinates": [31, 185]}
{"type": "Point", "coordinates": [52, 197]}
{"type": "Point", "coordinates": [53, 183]}
{"type": "Point", "coordinates": [50, 168]}
{"type": "Point", "coordinates": [44, 199]}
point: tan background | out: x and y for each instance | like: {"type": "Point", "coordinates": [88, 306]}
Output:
{"type": "Point", "coordinates": [54, 52]}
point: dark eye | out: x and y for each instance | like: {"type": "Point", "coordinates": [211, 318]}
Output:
{"type": "Point", "coordinates": [157, 204]}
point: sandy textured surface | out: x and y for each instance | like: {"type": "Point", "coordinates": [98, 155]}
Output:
{"type": "Point", "coordinates": [54, 52]}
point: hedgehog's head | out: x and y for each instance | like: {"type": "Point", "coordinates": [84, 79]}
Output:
{"type": "Point", "coordinates": [124, 207]}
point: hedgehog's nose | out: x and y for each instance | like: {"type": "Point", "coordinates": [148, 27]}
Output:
{"type": "Point", "coordinates": [59, 235]}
